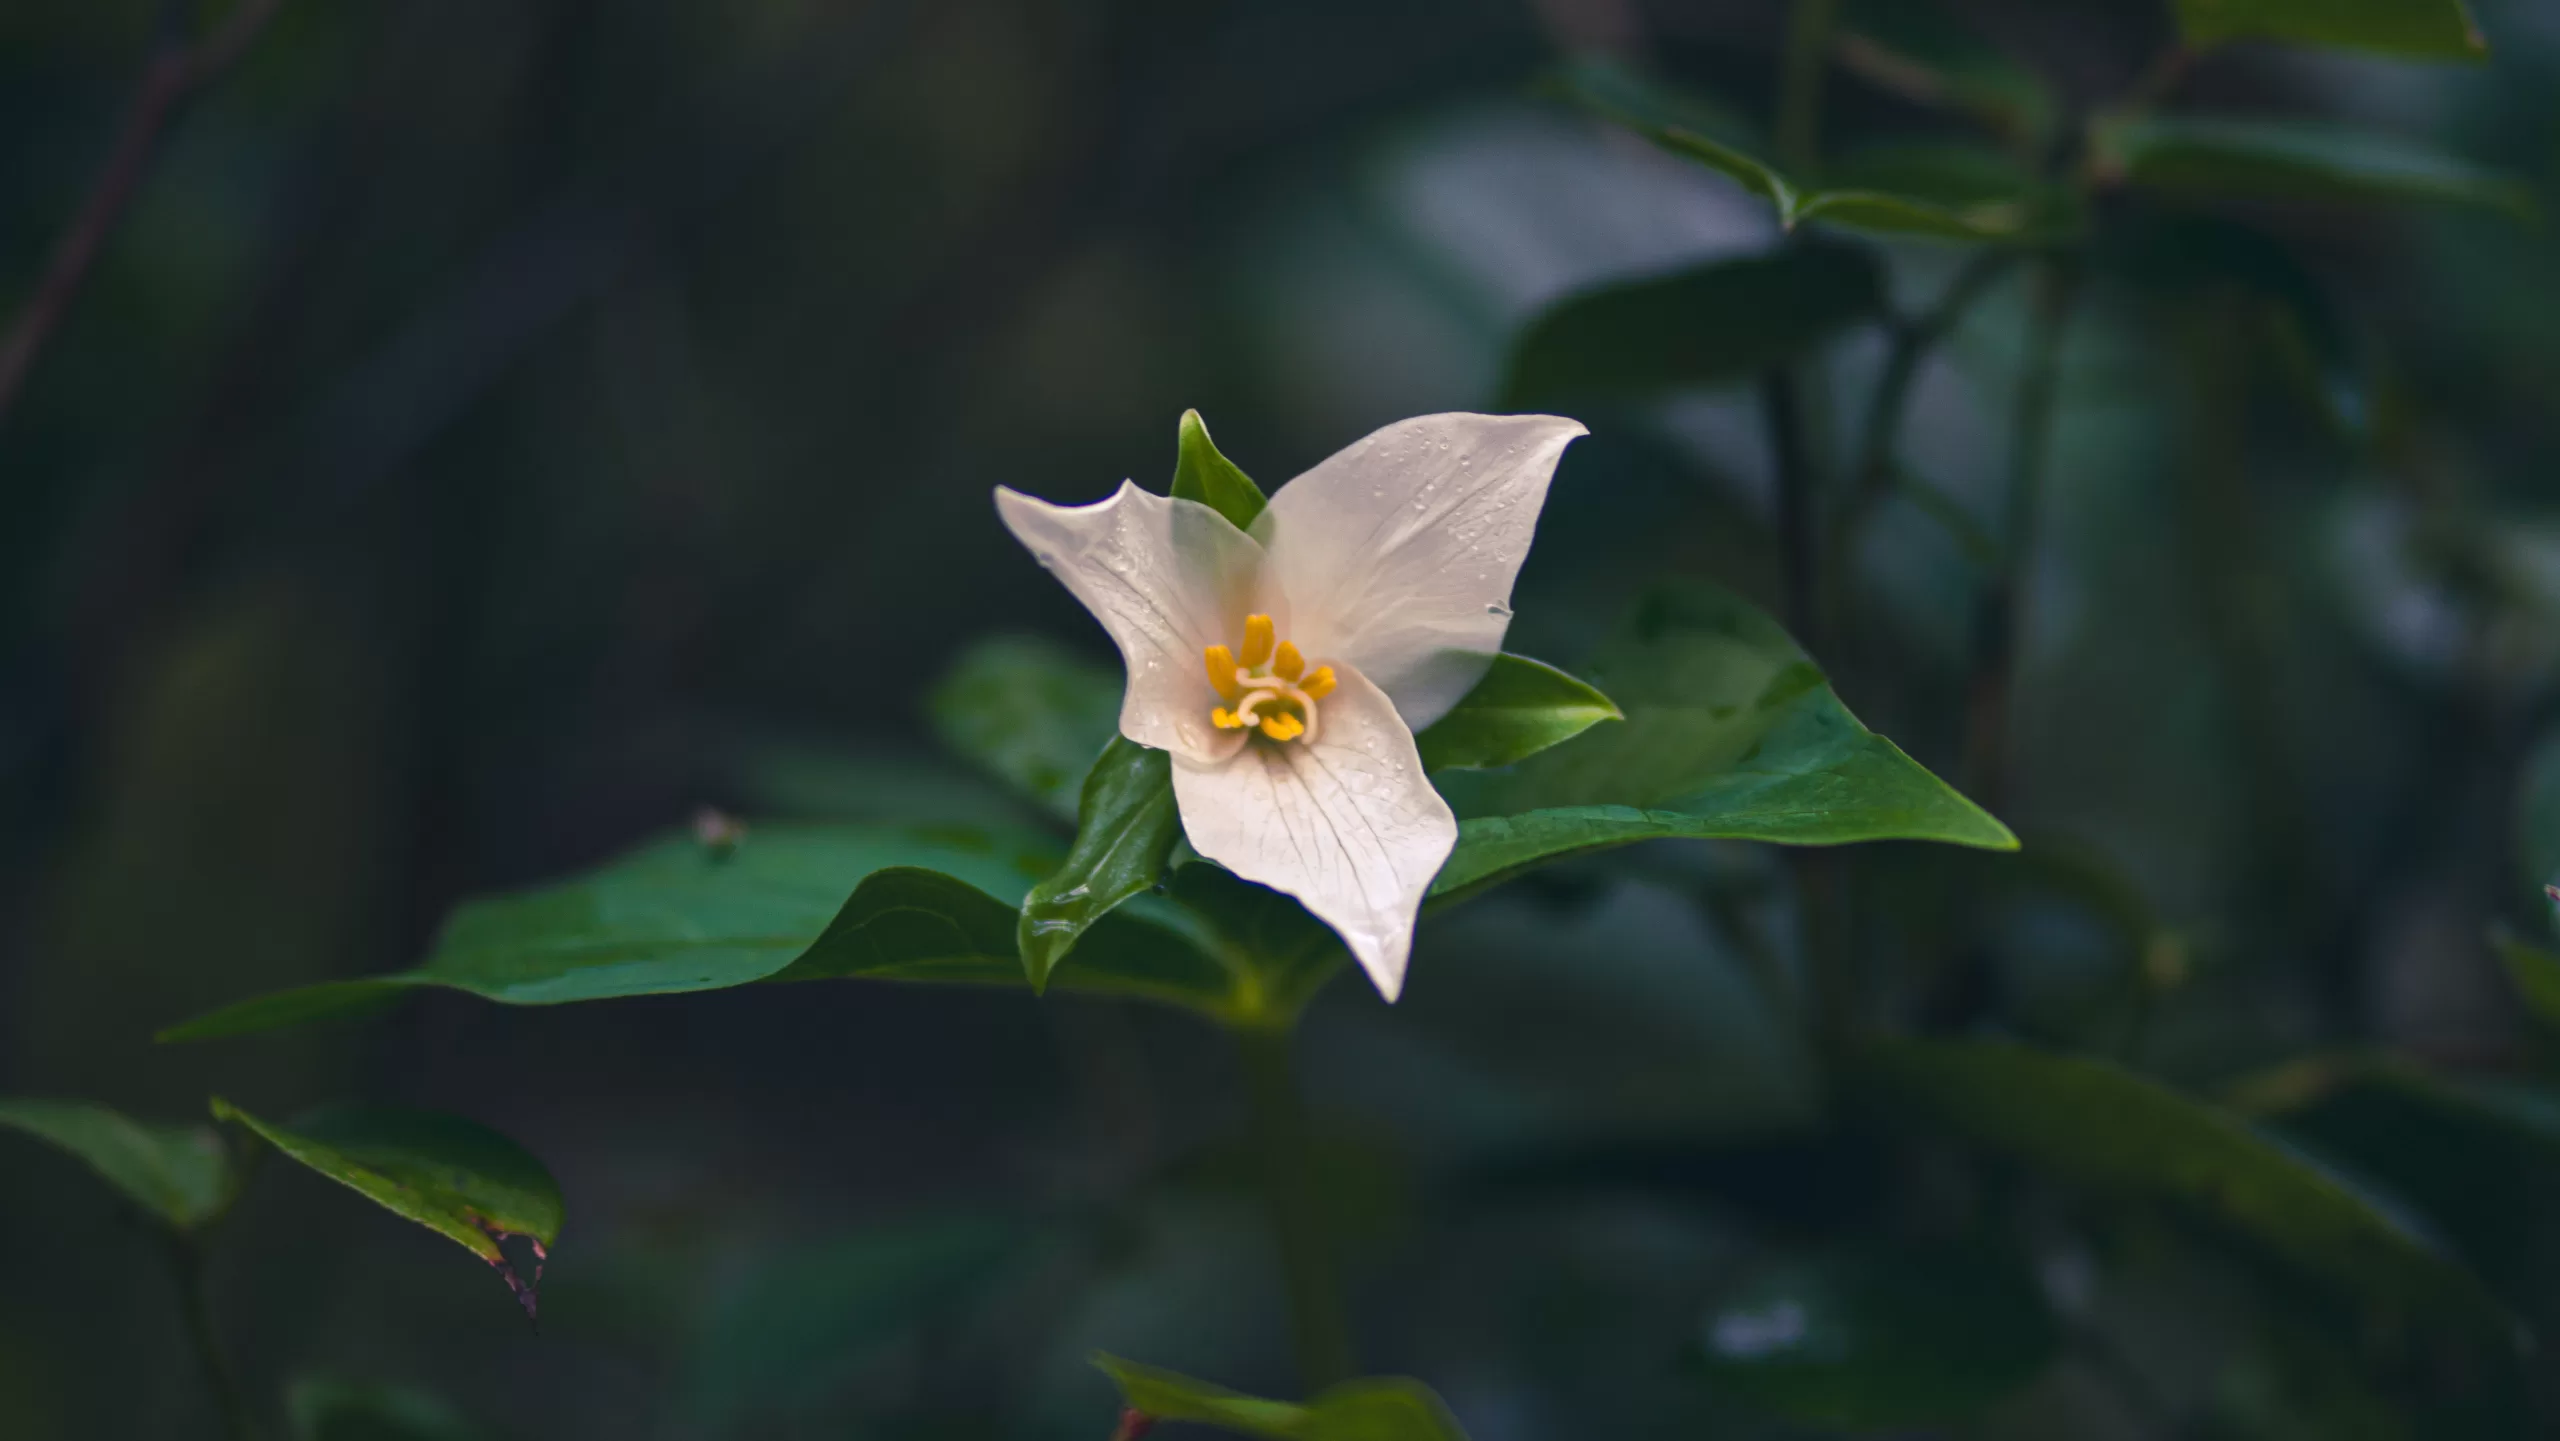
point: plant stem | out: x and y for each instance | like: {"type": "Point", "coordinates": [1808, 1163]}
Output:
{"type": "Point", "coordinates": [1799, 132]}
{"type": "Point", "coordinates": [1291, 1187]}
{"type": "Point", "coordinates": [1782, 406]}
{"type": "Point", "coordinates": [2000, 619]}
{"type": "Point", "coordinates": [176, 72]}
{"type": "Point", "coordinates": [187, 1263]}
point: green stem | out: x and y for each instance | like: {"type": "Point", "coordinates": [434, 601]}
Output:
{"type": "Point", "coordinates": [187, 1262]}
{"type": "Point", "coordinates": [2000, 620]}
{"type": "Point", "coordinates": [1799, 134]}
{"type": "Point", "coordinates": [1291, 1185]}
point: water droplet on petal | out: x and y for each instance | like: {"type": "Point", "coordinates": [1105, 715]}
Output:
{"type": "Point", "coordinates": [1498, 610]}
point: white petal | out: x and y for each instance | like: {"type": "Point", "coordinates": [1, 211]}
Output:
{"type": "Point", "coordinates": [1347, 823]}
{"type": "Point", "coordinates": [1166, 578]}
{"type": "Point", "coordinates": [1397, 554]}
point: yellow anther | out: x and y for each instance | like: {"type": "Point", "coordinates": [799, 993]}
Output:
{"type": "Point", "coordinates": [1287, 663]}
{"type": "Point", "coordinates": [1222, 674]}
{"type": "Point", "coordinates": [1319, 685]}
{"type": "Point", "coordinates": [1225, 719]}
{"type": "Point", "coordinates": [1283, 727]}
{"type": "Point", "coordinates": [1259, 634]}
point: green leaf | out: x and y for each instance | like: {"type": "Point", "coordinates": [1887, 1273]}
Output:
{"type": "Point", "coordinates": [792, 1333]}
{"type": "Point", "coordinates": [2104, 1128]}
{"type": "Point", "coordinates": [1277, 953]}
{"type": "Point", "coordinates": [177, 1173]}
{"type": "Point", "coordinates": [328, 1409]}
{"type": "Point", "coordinates": [1372, 1409]}
{"type": "Point", "coordinates": [1730, 733]}
{"type": "Point", "coordinates": [2535, 973]}
{"type": "Point", "coordinates": [1200, 473]}
{"type": "Point", "coordinates": [1709, 325]}
{"type": "Point", "coordinates": [1631, 102]}
{"type": "Point", "coordinates": [457, 1178]}
{"type": "Point", "coordinates": [1030, 713]}
{"type": "Point", "coordinates": [2295, 160]}
{"type": "Point", "coordinates": [1126, 827]}
{"type": "Point", "coordinates": [2480, 1160]}
{"type": "Point", "coordinates": [677, 915]}
{"type": "Point", "coordinates": [2538, 812]}
{"type": "Point", "coordinates": [2409, 29]}
{"type": "Point", "coordinates": [1881, 1337]}
{"type": "Point", "coordinates": [1520, 708]}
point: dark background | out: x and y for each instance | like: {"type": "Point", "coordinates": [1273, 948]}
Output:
{"type": "Point", "coordinates": [504, 426]}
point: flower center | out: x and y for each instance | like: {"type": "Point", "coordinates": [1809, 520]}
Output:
{"type": "Point", "coordinates": [1265, 685]}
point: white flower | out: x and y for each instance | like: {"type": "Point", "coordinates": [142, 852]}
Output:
{"type": "Point", "coordinates": [1288, 669]}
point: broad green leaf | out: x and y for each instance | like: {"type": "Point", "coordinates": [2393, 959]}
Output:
{"type": "Point", "coordinates": [2295, 160]}
{"type": "Point", "coordinates": [791, 1333]}
{"type": "Point", "coordinates": [2099, 1126]}
{"type": "Point", "coordinates": [1948, 189]}
{"type": "Point", "coordinates": [1200, 473]}
{"type": "Point", "coordinates": [1520, 708]}
{"type": "Point", "coordinates": [457, 1178]}
{"type": "Point", "coordinates": [1730, 734]}
{"type": "Point", "coordinates": [1277, 953]}
{"type": "Point", "coordinates": [1881, 1337]}
{"type": "Point", "coordinates": [1029, 712]}
{"type": "Point", "coordinates": [677, 915]}
{"type": "Point", "coordinates": [1710, 325]}
{"type": "Point", "coordinates": [2535, 973]}
{"type": "Point", "coordinates": [1125, 830]}
{"type": "Point", "coordinates": [1371, 1409]}
{"type": "Point", "coordinates": [2410, 29]}
{"type": "Point", "coordinates": [177, 1173]}
{"type": "Point", "coordinates": [328, 1409]}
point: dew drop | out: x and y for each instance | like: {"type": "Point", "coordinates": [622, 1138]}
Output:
{"type": "Point", "coordinates": [1498, 610]}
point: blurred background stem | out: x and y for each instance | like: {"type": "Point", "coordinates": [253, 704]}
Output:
{"type": "Point", "coordinates": [2000, 619]}
{"type": "Point", "coordinates": [187, 1264]}
{"type": "Point", "coordinates": [1292, 1187]}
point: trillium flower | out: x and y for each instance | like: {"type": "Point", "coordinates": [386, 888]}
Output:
{"type": "Point", "coordinates": [1287, 668]}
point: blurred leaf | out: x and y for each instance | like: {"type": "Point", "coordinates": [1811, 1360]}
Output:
{"type": "Point", "coordinates": [1711, 325]}
{"type": "Point", "coordinates": [2535, 973]}
{"type": "Point", "coordinates": [1643, 101]}
{"type": "Point", "coordinates": [2480, 1160]}
{"type": "Point", "coordinates": [1881, 1337]}
{"type": "Point", "coordinates": [2098, 1125]}
{"type": "Point", "coordinates": [178, 1173]}
{"type": "Point", "coordinates": [1125, 830]}
{"type": "Point", "coordinates": [2410, 29]}
{"type": "Point", "coordinates": [2295, 160]}
{"type": "Point", "coordinates": [1918, 51]}
{"type": "Point", "coordinates": [1030, 712]}
{"type": "Point", "coordinates": [2538, 813]}
{"type": "Point", "coordinates": [819, 783]}
{"type": "Point", "coordinates": [1520, 708]}
{"type": "Point", "coordinates": [1372, 1409]}
{"type": "Point", "coordinates": [1634, 103]}
{"type": "Point", "coordinates": [1943, 188]}
{"type": "Point", "coordinates": [1731, 733]}
{"type": "Point", "coordinates": [796, 1330]}
{"type": "Point", "coordinates": [457, 1178]}
{"type": "Point", "coordinates": [320, 1408]}
{"type": "Point", "coordinates": [677, 915]}
{"type": "Point", "coordinates": [1200, 473]}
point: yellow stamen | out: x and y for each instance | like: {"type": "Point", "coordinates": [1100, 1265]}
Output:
{"type": "Point", "coordinates": [1225, 719]}
{"type": "Point", "coordinates": [1283, 727]}
{"type": "Point", "coordinates": [1259, 633]}
{"type": "Point", "coordinates": [1287, 663]}
{"type": "Point", "coordinates": [1319, 685]}
{"type": "Point", "coordinates": [1222, 674]}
